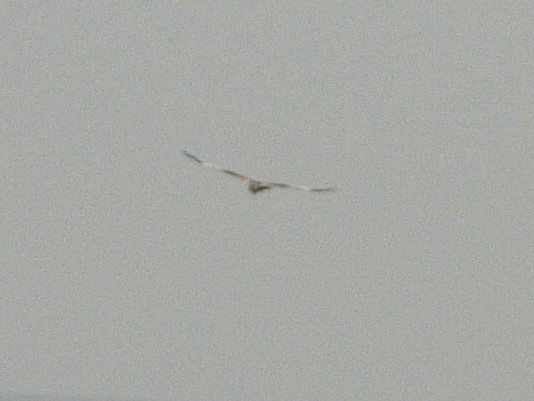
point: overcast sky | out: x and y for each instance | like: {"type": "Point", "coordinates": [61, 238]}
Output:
{"type": "Point", "coordinates": [129, 271]}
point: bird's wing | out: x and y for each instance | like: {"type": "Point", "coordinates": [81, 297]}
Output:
{"type": "Point", "coordinates": [299, 187]}
{"type": "Point", "coordinates": [238, 176]}
{"type": "Point", "coordinates": [215, 167]}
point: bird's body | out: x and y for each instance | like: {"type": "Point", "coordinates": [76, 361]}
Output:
{"type": "Point", "coordinates": [255, 186]}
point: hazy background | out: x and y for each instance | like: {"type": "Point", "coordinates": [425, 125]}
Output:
{"type": "Point", "coordinates": [128, 271]}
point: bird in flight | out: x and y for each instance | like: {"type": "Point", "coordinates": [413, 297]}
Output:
{"type": "Point", "coordinates": [255, 186]}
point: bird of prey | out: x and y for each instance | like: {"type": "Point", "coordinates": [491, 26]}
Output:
{"type": "Point", "coordinates": [254, 186]}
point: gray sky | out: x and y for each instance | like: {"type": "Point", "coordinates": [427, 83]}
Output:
{"type": "Point", "coordinates": [128, 271]}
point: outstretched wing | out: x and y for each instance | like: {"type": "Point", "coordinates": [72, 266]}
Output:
{"type": "Point", "coordinates": [215, 167]}
{"type": "Point", "coordinates": [299, 187]}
